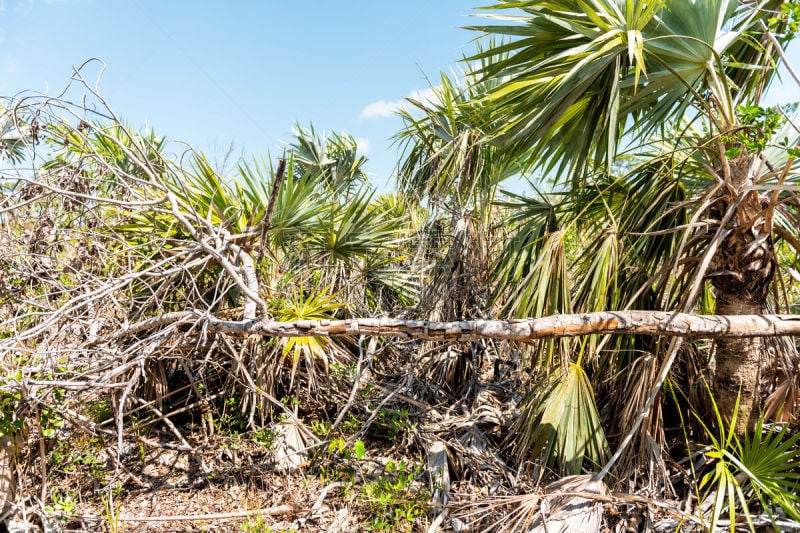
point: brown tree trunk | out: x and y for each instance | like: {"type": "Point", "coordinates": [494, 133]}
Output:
{"type": "Point", "coordinates": [738, 367]}
{"type": "Point", "coordinates": [741, 271]}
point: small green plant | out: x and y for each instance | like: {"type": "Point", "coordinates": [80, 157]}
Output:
{"type": "Point", "coordinates": [291, 401]}
{"type": "Point", "coordinates": [111, 512]}
{"type": "Point", "coordinates": [9, 424]}
{"type": "Point", "coordinates": [321, 428]}
{"type": "Point", "coordinates": [63, 505]}
{"type": "Point", "coordinates": [50, 420]}
{"type": "Point", "coordinates": [337, 444]}
{"type": "Point", "coordinates": [99, 410]}
{"type": "Point", "coordinates": [393, 499]}
{"type": "Point", "coordinates": [231, 422]}
{"type": "Point", "coordinates": [391, 423]}
{"type": "Point", "coordinates": [351, 424]}
{"type": "Point", "coordinates": [358, 449]}
{"type": "Point", "coordinates": [257, 524]}
{"type": "Point", "coordinates": [265, 436]}
{"type": "Point", "coordinates": [342, 371]}
{"type": "Point", "coordinates": [82, 452]}
{"type": "Point", "coordinates": [761, 467]}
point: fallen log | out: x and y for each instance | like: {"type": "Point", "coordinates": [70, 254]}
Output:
{"type": "Point", "coordinates": [654, 323]}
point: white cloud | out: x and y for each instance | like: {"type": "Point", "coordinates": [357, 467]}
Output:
{"type": "Point", "coordinates": [363, 145]}
{"type": "Point", "coordinates": [384, 108]}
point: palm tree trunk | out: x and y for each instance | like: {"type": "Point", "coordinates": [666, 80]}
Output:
{"type": "Point", "coordinates": [738, 366]}
{"type": "Point", "coordinates": [741, 272]}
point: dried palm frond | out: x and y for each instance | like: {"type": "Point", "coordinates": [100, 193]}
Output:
{"type": "Point", "coordinates": [290, 446]}
{"type": "Point", "coordinates": [458, 286]}
{"type": "Point", "coordinates": [471, 455]}
{"type": "Point", "coordinates": [780, 406]}
{"type": "Point", "coordinates": [573, 503]}
{"type": "Point", "coordinates": [452, 369]}
{"type": "Point", "coordinates": [439, 474]}
{"type": "Point", "coordinates": [565, 508]}
{"type": "Point", "coordinates": [637, 380]}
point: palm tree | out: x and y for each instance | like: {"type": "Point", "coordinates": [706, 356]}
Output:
{"type": "Point", "coordinates": [331, 159]}
{"type": "Point", "coordinates": [645, 118]}
{"type": "Point", "coordinates": [449, 166]}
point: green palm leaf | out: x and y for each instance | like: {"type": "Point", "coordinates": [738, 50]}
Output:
{"type": "Point", "coordinates": [348, 233]}
{"type": "Point", "coordinates": [560, 423]}
{"type": "Point", "coordinates": [332, 161]}
{"type": "Point", "coordinates": [581, 74]}
{"type": "Point", "coordinates": [297, 209]}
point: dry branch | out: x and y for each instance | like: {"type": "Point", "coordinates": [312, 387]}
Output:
{"type": "Point", "coordinates": [607, 322]}
{"type": "Point", "coordinates": [267, 511]}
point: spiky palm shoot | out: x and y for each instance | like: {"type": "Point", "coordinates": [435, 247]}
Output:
{"type": "Point", "coordinates": [759, 466]}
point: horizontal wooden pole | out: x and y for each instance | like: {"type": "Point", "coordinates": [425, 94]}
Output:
{"type": "Point", "coordinates": [615, 322]}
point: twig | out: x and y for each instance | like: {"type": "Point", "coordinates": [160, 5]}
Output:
{"type": "Point", "coordinates": [361, 371]}
{"type": "Point", "coordinates": [321, 498]}
{"type": "Point", "coordinates": [267, 220]}
{"type": "Point", "coordinates": [276, 510]}
{"type": "Point", "coordinates": [778, 48]}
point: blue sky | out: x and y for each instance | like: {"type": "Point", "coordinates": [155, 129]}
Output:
{"type": "Point", "coordinates": [212, 73]}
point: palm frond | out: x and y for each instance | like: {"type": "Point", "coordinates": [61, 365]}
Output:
{"type": "Point", "coordinates": [354, 231]}
{"type": "Point", "coordinates": [310, 305]}
{"type": "Point", "coordinates": [444, 154]}
{"type": "Point", "coordinates": [581, 75]}
{"type": "Point", "coordinates": [298, 205]}
{"type": "Point", "coordinates": [560, 423]}
{"type": "Point", "coordinates": [759, 467]}
{"type": "Point", "coordinates": [14, 135]}
{"type": "Point", "coordinates": [330, 160]}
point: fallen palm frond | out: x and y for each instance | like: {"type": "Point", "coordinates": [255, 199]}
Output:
{"type": "Point", "coordinates": [573, 503]}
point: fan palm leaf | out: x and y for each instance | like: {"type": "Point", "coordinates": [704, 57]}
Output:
{"type": "Point", "coordinates": [353, 232]}
{"type": "Point", "coordinates": [560, 423]}
{"type": "Point", "coordinates": [297, 209]}
{"type": "Point", "coordinates": [580, 75]}
{"type": "Point", "coordinates": [331, 160]}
